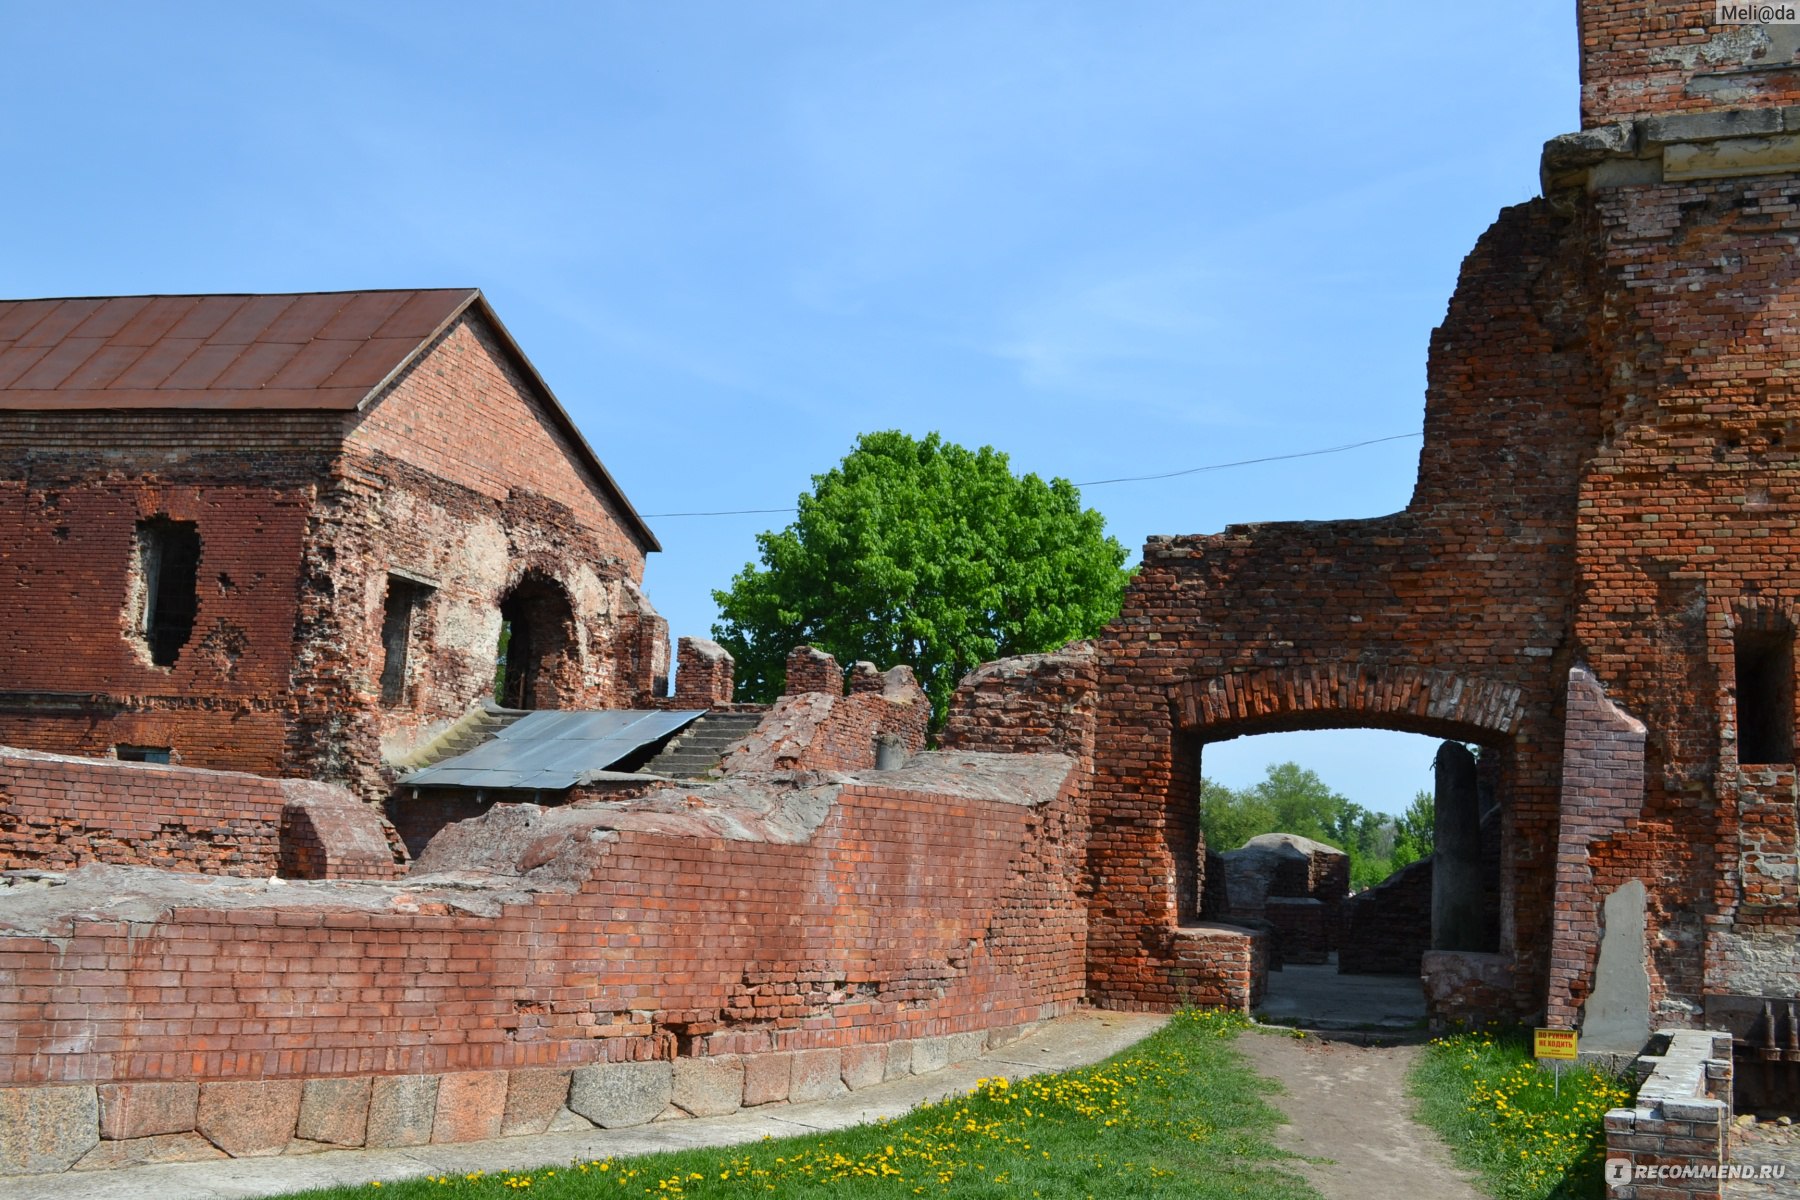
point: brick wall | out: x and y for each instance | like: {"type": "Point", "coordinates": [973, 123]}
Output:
{"type": "Point", "coordinates": [1449, 618]}
{"type": "Point", "coordinates": [1677, 1128]}
{"type": "Point", "coordinates": [73, 487]}
{"type": "Point", "coordinates": [818, 727]}
{"type": "Point", "coordinates": [57, 813]}
{"type": "Point", "coordinates": [1642, 57]}
{"type": "Point", "coordinates": [1387, 928]}
{"type": "Point", "coordinates": [455, 481]}
{"type": "Point", "coordinates": [909, 912]}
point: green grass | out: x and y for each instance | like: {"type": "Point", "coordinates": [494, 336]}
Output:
{"type": "Point", "coordinates": [1505, 1118]}
{"type": "Point", "coordinates": [1180, 1115]}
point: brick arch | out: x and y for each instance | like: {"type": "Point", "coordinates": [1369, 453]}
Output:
{"type": "Point", "coordinates": [1319, 695]}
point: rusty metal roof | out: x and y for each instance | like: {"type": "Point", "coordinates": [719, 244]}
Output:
{"type": "Point", "coordinates": [327, 350]}
{"type": "Point", "coordinates": [308, 350]}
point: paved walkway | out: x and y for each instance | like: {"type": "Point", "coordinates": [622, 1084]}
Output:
{"type": "Point", "coordinates": [1073, 1041]}
{"type": "Point", "coordinates": [1317, 997]}
{"type": "Point", "coordinates": [1348, 1110]}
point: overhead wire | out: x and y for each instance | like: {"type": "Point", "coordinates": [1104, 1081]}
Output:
{"type": "Point", "coordinates": [1242, 462]}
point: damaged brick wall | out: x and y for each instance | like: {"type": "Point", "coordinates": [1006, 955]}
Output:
{"type": "Point", "coordinates": [58, 813]}
{"type": "Point", "coordinates": [1387, 928]}
{"type": "Point", "coordinates": [816, 726]}
{"type": "Point", "coordinates": [457, 484]}
{"type": "Point", "coordinates": [1674, 56]}
{"type": "Point", "coordinates": [1449, 618]}
{"type": "Point", "coordinates": [73, 487]}
{"type": "Point", "coordinates": [449, 492]}
{"type": "Point", "coordinates": [910, 911]}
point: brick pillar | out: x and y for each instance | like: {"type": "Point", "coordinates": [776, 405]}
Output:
{"type": "Point", "coordinates": [810, 670]}
{"type": "Point", "coordinates": [703, 675]}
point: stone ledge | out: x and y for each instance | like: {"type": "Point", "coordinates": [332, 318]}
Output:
{"type": "Point", "coordinates": [47, 1130]}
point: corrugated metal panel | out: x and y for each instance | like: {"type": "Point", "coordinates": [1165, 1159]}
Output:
{"type": "Point", "coordinates": [553, 751]}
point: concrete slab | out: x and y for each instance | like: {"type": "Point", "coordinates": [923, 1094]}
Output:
{"type": "Point", "coordinates": [1317, 997]}
{"type": "Point", "coordinates": [1071, 1041]}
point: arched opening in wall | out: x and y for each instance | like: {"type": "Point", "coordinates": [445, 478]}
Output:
{"type": "Point", "coordinates": [1356, 850]}
{"type": "Point", "coordinates": [535, 664]}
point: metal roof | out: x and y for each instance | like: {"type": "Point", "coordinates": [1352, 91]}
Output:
{"type": "Point", "coordinates": [331, 351]}
{"type": "Point", "coordinates": [316, 350]}
{"type": "Point", "coordinates": [553, 751]}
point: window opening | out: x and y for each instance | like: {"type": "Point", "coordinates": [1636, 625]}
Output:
{"type": "Point", "coordinates": [143, 754]}
{"type": "Point", "coordinates": [1765, 696]}
{"type": "Point", "coordinates": [404, 598]}
{"type": "Point", "coordinates": [168, 563]}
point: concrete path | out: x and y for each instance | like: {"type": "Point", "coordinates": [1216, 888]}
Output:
{"type": "Point", "coordinates": [1347, 1105]}
{"type": "Point", "coordinates": [1317, 997]}
{"type": "Point", "coordinates": [1073, 1041]}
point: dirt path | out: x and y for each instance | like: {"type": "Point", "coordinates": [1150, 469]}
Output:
{"type": "Point", "coordinates": [1349, 1104]}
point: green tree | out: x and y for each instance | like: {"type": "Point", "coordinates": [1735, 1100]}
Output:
{"type": "Point", "coordinates": [925, 553]}
{"type": "Point", "coordinates": [1292, 799]}
{"type": "Point", "coordinates": [1413, 836]}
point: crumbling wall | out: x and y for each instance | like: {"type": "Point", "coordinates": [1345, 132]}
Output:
{"type": "Point", "coordinates": [456, 485]}
{"type": "Point", "coordinates": [1450, 618]}
{"type": "Point", "coordinates": [817, 727]}
{"type": "Point", "coordinates": [791, 917]}
{"type": "Point", "coordinates": [58, 813]}
{"type": "Point", "coordinates": [1387, 928]}
{"type": "Point", "coordinates": [1639, 58]}
{"type": "Point", "coordinates": [73, 487]}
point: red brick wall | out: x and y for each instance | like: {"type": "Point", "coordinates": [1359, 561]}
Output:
{"type": "Point", "coordinates": [1656, 56]}
{"type": "Point", "coordinates": [1387, 928]}
{"type": "Point", "coordinates": [57, 813]}
{"type": "Point", "coordinates": [72, 488]}
{"type": "Point", "coordinates": [1448, 618]}
{"type": "Point", "coordinates": [819, 730]}
{"type": "Point", "coordinates": [455, 477]}
{"type": "Point", "coordinates": [907, 914]}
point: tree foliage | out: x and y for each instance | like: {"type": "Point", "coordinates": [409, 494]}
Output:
{"type": "Point", "coordinates": [1293, 799]}
{"type": "Point", "coordinates": [925, 553]}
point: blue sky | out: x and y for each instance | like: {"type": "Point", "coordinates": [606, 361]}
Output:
{"type": "Point", "coordinates": [1107, 239]}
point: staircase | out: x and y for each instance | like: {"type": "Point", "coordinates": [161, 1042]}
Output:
{"type": "Point", "coordinates": [478, 725]}
{"type": "Point", "coordinates": [694, 753]}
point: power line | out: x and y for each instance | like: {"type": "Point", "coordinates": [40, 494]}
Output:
{"type": "Point", "coordinates": [1242, 462]}
{"type": "Point", "coordinates": [1246, 462]}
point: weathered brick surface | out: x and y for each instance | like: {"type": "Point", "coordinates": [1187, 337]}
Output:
{"type": "Point", "coordinates": [1608, 484]}
{"type": "Point", "coordinates": [907, 913]}
{"type": "Point", "coordinates": [326, 833]}
{"type": "Point", "coordinates": [58, 812]}
{"type": "Point", "coordinates": [1673, 56]}
{"type": "Point", "coordinates": [822, 730]}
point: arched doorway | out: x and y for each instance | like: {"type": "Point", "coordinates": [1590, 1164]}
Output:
{"type": "Point", "coordinates": [1327, 840]}
{"type": "Point", "coordinates": [535, 664]}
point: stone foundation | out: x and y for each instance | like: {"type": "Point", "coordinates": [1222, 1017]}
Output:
{"type": "Point", "coordinates": [103, 1127]}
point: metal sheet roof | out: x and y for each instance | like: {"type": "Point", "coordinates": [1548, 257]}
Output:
{"type": "Point", "coordinates": [553, 751]}
{"type": "Point", "coordinates": [332, 351]}
{"type": "Point", "coordinates": [316, 350]}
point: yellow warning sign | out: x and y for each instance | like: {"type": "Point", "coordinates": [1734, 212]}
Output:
{"type": "Point", "coordinates": [1553, 1043]}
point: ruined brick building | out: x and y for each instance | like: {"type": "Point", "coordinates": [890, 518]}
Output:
{"type": "Point", "coordinates": [1593, 582]}
{"type": "Point", "coordinates": [284, 534]}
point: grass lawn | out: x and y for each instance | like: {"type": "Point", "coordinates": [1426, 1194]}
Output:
{"type": "Point", "coordinates": [1505, 1118]}
{"type": "Point", "coordinates": [1179, 1115]}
